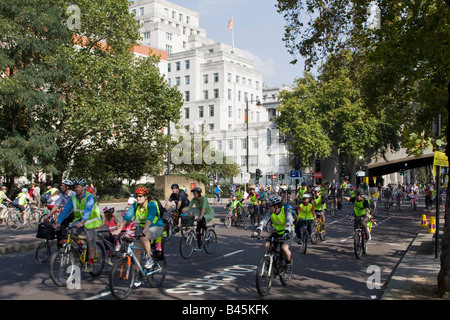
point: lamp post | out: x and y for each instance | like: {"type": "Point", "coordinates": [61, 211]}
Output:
{"type": "Point", "coordinates": [258, 103]}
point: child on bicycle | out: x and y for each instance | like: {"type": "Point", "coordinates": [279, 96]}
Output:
{"type": "Point", "coordinates": [111, 222]}
{"type": "Point", "coordinates": [282, 221]}
{"type": "Point", "coordinates": [305, 216]}
{"type": "Point", "coordinates": [234, 205]}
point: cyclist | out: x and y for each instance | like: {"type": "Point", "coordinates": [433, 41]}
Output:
{"type": "Point", "coordinates": [217, 192]}
{"type": "Point", "coordinates": [282, 222]}
{"type": "Point", "coordinates": [181, 200]}
{"type": "Point", "coordinates": [147, 211]}
{"type": "Point", "coordinates": [21, 201]}
{"type": "Point", "coordinates": [320, 203]}
{"type": "Point", "coordinates": [387, 194]}
{"type": "Point", "coordinates": [255, 202]}
{"type": "Point", "coordinates": [235, 205]}
{"type": "Point", "coordinates": [239, 193]}
{"type": "Point", "coordinates": [86, 215]}
{"type": "Point", "coordinates": [301, 190]}
{"type": "Point", "coordinates": [206, 212]}
{"type": "Point", "coordinates": [361, 210]}
{"type": "Point", "coordinates": [305, 215]}
{"type": "Point", "coordinates": [3, 197]}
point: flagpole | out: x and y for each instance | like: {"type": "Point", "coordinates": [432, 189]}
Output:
{"type": "Point", "coordinates": [231, 27]}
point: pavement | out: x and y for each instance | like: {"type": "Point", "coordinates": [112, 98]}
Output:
{"type": "Point", "coordinates": [415, 276]}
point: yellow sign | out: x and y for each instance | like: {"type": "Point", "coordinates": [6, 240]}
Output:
{"type": "Point", "coordinates": [440, 159]}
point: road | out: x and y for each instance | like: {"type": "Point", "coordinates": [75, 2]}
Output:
{"type": "Point", "coordinates": [328, 271]}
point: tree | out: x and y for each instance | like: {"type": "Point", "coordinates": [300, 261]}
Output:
{"type": "Point", "coordinates": [33, 67]}
{"type": "Point", "coordinates": [401, 63]}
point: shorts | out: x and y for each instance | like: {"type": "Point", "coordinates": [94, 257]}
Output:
{"type": "Point", "coordinates": [89, 234]}
{"type": "Point", "coordinates": [155, 231]}
{"type": "Point", "coordinates": [20, 207]}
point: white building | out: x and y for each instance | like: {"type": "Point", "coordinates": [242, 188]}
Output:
{"type": "Point", "coordinates": [218, 85]}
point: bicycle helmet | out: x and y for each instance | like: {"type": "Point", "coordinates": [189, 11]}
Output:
{"type": "Point", "coordinates": [141, 190]}
{"type": "Point", "coordinates": [275, 199]}
{"type": "Point", "coordinates": [80, 182]}
{"type": "Point", "coordinates": [67, 182]}
{"type": "Point", "coordinates": [197, 189]}
{"type": "Point", "coordinates": [317, 189]}
{"type": "Point", "coordinates": [108, 210]}
{"type": "Point", "coordinates": [175, 186]}
{"type": "Point", "coordinates": [24, 190]}
{"type": "Point", "coordinates": [306, 196]}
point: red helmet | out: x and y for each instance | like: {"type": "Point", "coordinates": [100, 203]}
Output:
{"type": "Point", "coordinates": [90, 190]}
{"type": "Point", "coordinates": [141, 190]}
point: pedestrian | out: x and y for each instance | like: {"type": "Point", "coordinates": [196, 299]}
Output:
{"type": "Point", "coordinates": [37, 194]}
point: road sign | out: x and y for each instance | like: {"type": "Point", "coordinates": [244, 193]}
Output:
{"type": "Point", "coordinates": [317, 175]}
{"type": "Point", "coordinates": [360, 173]}
{"type": "Point", "coordinates": [274, 176]}
{"type": "Point", "coordinates": [296, 173]}
{"type": "Point", "coordinates": [245, 177]}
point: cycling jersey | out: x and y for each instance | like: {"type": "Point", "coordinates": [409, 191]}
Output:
{"type": "Point", "coordinates": [86, 210]}
{"type": "Point", "coordinates": [305, 212]}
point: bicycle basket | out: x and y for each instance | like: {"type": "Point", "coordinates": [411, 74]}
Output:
{"type": "Point", "coordinates": [187, 221]}
{"type": "Point", "coordinates": [46, 231]}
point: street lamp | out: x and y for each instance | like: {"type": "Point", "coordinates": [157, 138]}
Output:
{"type": "Point", "coordinates": [258, 104]}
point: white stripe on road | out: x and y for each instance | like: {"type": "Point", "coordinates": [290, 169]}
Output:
{"type": "Point", "coordinates": [104, 294]}
{"type": "Point", "coordinates": [230, 254]}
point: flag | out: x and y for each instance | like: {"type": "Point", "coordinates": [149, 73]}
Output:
{"type": "Point", "coordinates": [230, 24]}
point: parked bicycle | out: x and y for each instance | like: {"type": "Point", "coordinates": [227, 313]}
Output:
{"type": "Point", "coordinates": [188, 241]}
{"type": "Point", "coordinates": [271, 265]}
{"type": "Point", "coordinates": [74, 253]}
{"type": "Point", "coordinates": [124, 271]}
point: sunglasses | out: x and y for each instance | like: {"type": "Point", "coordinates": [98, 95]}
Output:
{"type": "Point", "coordinates": [140, 196]}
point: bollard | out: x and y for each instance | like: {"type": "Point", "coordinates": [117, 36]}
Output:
{"type": "Point", "coordinates": [424, 221]}
{"type": "Point", "coordinates": [432, 225]}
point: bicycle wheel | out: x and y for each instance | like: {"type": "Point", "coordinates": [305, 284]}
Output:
{"type": "Point", "coordinates": [187, 244]}
{"type": "Point", "coordinates": [286, 276]}
{"type": "Point", "coordinates": [264, 276]}
{"type": "Point", "coordinates": [314, 233]}
{"type": "Point", "coordinates": [168, 229]}
{"type": "Point", "coordinates": [42, 252]}
{"type": "Point", "coordinates": [386, 208]}
{"type": "Point", "coordinates": [157, 274]}
{"type": "Point", "coordinates": [357, 244]}
{"type": "Point", "coordinates": [227, 221]}
{"type": "Point", "coordinates": [304, 240]}
{"type": "Point", "coordinates": [121, 278]}
{"type": "Point", "coordinates": [322, 231]}
{"type": "Point", "coordinates": [32, 219]}
{"type": "Point", "coordinates": [99, 260]}
{"type": "Point", "coordinates": [364, 242]}
{"type": "Point", "coordinates": [14, 220]}
{"type": "Point", "coordinates": [61, 267]}
{"type": "Point", "coordinates": [210, 243]}
{"type": "Point", "coordinates": [246, 222]}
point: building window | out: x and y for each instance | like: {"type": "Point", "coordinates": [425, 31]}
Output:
{"type": "Point", "coordinates": [253, 160]}
{"type": "Point", "coordinates": [269, 137]}
{"type": "Point", "coordinates": [230, 111]}
{"type": "Point", "coordinates": [205, 94]}
{"type": "Point", "coordinates": [229, 94]}
{"type": "Point", "coordinates": [200, 112]}
{"type": "Point", "coordinates": [229, 77]}
{"type": "Point", "coordinates": [244, 143]}
{"type": "Point", "coordinates": [187, 79]}
{"type": "Point", "coordinates": [216, 93]}
{"type": "Point", "coordinates": [219, 144]}
{"type": "Point", "coordinates": [211, 110]}
{"type": "Point", "coordinates": [177, 66]}
{"type": "Point", "coordinates": [168, 49]}
{"type": "Point", "coordinates": [187, 96]}
{"type": "Point", "coordinates": [216, 77]}
{"type": "Point", "coordinates": [169, 67]}
{"type": "Point", "coordinates": [187, 64]}
{"type": "Point", "coordinates": [141, 9]}
{"type": "Point", "coordinates": [254, 143]}
{"type": "Point", "coordinates": [205, 78]}
{"type": "Point", "coordinates": [243, 161]}
{"type": "Point", "coordinates": [177, 81]}
{"type": "Point", "coordinates": [147, 35]}
{"type": "Point", "coordinates": [211, 126]}
{"type": "Point", "coordinates": [230, 144]}
{"type": "Point", "coordinates": [168, 36]}
{"type": "Point", "coordinates": [186, 113]}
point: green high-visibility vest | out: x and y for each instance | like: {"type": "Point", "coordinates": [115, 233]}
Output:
{"type": "Point", "coordinates": [142, 213]}
{"type": "Point", "coordinates": [279, 221]}
{"type": "Point", "coordinates": [94, 220]}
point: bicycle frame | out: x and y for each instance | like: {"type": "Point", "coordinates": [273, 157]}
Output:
{"type": "Point", "coordinates": [130, 254]}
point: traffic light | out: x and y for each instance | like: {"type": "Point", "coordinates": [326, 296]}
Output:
{"type": "Point", "coordinates": [343, 170]}
{"type": "Point", "coordinates": [402, 172]}
{"type": "Point", "coordinates": [258, 173]}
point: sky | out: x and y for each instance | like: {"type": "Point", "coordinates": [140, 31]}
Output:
{"type": "Point", "coordinates": [258, 31]}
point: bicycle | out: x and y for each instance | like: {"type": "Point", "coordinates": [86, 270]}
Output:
{"type": "Point", "coordinates": [332, 205]}
{"type": "Point", "coordinates": [47, 232]}
{"type": "Point", "coordinates": [14, 220]}
{"type": "Point", "coordinates": [304, 236]}
{"type": "Point", "coordinates": [270, 265]}
{"type": "Point", "coordinates": [414, 202]}
{"type": "Point", "coordinates": [232, 216]}
{"type": "Point", "coordinates": [398, 199]}
{"type": "Point", "coordinates": [387, 206]}
{"type": "Point", "coordinates": [74, 251]}
{"type": "Point", "coordinates": [318, 230]}
{"type": "Point", "coordinates": [113, 255]}
{"type": "Point", "coordinates": [360, 237]}
{"type": "Point", "coordinates": [124, 271]}
{"type": "Point", "coordinates": [188, 241]}
{"type": "Point", "coordinates": [168, 223]}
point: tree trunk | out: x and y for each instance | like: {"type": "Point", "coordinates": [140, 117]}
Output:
{"type": "Point", "coordinates": [444, 273]}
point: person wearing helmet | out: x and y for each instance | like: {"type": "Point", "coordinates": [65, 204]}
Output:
{"type": "Point", "coordinates": [305, 215]}
{"type": "Point", "coordinates": [86, 216]}
{"type": "Point", "coordinates": [234, 205]}
{"type": "Point", "coordinates": [320, 203]}
{"type": "Point", "coordinates": [255, 202]}
{"type": "Point", "coordinates": [147, 211]}
{"type": "Point", "coordinates": [66, 193]}
{"type": "Point", "coordinates": [21, 201]}
{"type": "Point", "coordinates": [361, 209]}
{"type": "Point", "coordinates": [217, 192]}
{"type": "Point", "coordinates": [282, 221]}
{"type": "Point", "coordinates": [181, 201]}
{"type": "Point", "coordinates": [206, 212]}
{"type": "Point", "coordinates": [111, 222]}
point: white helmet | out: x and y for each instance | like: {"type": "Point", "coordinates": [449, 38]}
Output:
{"type": "Point", "coordinates": [24, 190]}
{"type": "Point", "coordinates": [275, 199]}
{"type": "Point", "coordinates": [306, 196]}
